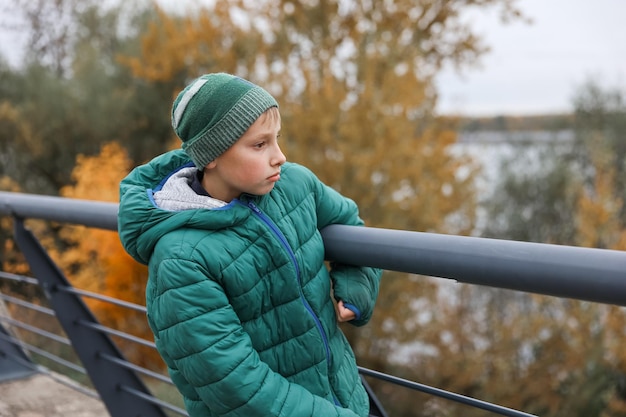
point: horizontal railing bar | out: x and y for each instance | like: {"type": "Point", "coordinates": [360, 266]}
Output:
{"type": "Point", "coordinates": [56, 359]}
{"type": "Point", "coordinates": [562, 271]}
{"type": "Point", "coordinates": [504, 411]}
{"type": "Point", "coordinates": [26, 304]}
{"type": "Point", "coordinates": [85, 212]}
{"type": "Point", "coordinates": [19, 278]}
{"type": "Point", "coordinates": [34, 349]}
{"type": "Point", "coordinates": [123, 335]}
{"type": "Point", "coordinates": [35, 330]}
{"type": "Point", "coordinates": [72, 384]}
{"type": "Point", "coordinates": [153, 400]}
{"type": "Point", "coordinates": [104, 298]}
{"type": "Point", "coordinates": [136, 368]}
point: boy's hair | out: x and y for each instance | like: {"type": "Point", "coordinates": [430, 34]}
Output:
{"type": "Point", "coordinates": [214, 111]}
{"type": "Point", "coordinates": [271, 114]}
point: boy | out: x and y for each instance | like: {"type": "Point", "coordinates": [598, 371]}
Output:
{"type": "Point", "coordinates": [238, 295]}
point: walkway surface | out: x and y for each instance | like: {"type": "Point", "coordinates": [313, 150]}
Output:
{"type": "Point", "coordinates": [43, 396]}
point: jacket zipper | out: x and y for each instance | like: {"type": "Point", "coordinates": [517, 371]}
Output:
{"type": "Point", "coordinates": [283, 240]}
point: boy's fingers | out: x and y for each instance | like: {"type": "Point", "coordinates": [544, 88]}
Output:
{"type": "Point", "coordinates": [343, 313]}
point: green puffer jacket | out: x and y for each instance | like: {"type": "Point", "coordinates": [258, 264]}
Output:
{"type": "Point", "coordinates": [238, 297]}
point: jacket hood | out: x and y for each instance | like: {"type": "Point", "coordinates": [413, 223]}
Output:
{"type": "Point", "coordinates": [141, 222]}
{"type": "Point", "coordinates": [176, 193]}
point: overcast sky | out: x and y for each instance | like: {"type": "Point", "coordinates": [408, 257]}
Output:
{"type": "Point", "coordinates": [536, 68]}
{"type": "Point", "coordinates": [532, 68]}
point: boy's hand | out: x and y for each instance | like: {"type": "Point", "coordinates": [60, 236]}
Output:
{"type": "Point", "coordinates": [344, 314]}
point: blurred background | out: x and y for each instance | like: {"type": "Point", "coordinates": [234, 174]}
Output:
{"type": "Point", "coordinates": [492, 118]}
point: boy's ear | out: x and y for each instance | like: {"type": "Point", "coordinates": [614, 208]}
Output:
{"type": "Point", "coordinates": [211, 164]}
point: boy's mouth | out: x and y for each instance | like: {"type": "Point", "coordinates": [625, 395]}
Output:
{"type": "Point", "coordinates": [274, 177]}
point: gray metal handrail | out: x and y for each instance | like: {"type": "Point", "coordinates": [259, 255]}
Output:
{"type": "Point", "coordinates": [564, 271]}
{"type": "Point", "coordinates": [588, 274]}
{"type": "Point", "coordinates": [72, 211]}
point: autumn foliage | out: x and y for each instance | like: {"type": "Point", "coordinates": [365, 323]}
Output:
{"type": "Point", "coordinates": [95, 258]}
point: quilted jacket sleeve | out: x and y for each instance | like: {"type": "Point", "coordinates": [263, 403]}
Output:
{"type": "Point", "coordinates": [356, 286]}
{"type": "Point", "coordinates": [211, 358]}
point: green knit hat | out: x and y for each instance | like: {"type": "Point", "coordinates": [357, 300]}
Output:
{"type": "Point", "coordinates": [214, 111]}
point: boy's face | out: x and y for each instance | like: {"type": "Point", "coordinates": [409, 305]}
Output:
{"type": "Point", "coordinates": [251, 165]}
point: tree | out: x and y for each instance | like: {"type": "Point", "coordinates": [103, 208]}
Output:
{"type": "Point", "coordinates": [71, 95]}
{"type": "Point", "coordinates": [50, 31]}
{"type": "Point", "coordinates": [10, 122]}
{"type": "Point", "coordinates": [535, 197]}
{"type": "Point", "coordinates": [601, 212]}
{"type": "Point", "coordinates": [95, 259]}
{"type": "Point", "coordinates": [600, 116]}
{"type": "Point", "coordinates": [574, 197]}
{"type": "Point", "coordinates": [358, 111]}
{"type": "Point", "coordinates": [354, 83]}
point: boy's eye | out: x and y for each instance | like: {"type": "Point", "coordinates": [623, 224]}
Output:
{"type": "Point", "coordinates": [259, 144]}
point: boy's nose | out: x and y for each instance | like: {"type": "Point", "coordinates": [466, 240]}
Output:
{"type": "Point", "coordinates": [279, 157]}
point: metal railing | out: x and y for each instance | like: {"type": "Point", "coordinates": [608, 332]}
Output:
{"type": "Point", "coordinates": [115, 379]}
{"type": "Point", "coordinates": [562, 271]}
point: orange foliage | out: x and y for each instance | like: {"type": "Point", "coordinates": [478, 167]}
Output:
{"type": "Point", "coordinates": [96, 259]}
{"type": "Point", "coordinates": [172, 46]}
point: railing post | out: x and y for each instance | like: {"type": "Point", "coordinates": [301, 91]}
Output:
{"type": "Point", "coordinates": [90, 345]}
{"type": "Point", "coordinates": [376, 408]}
